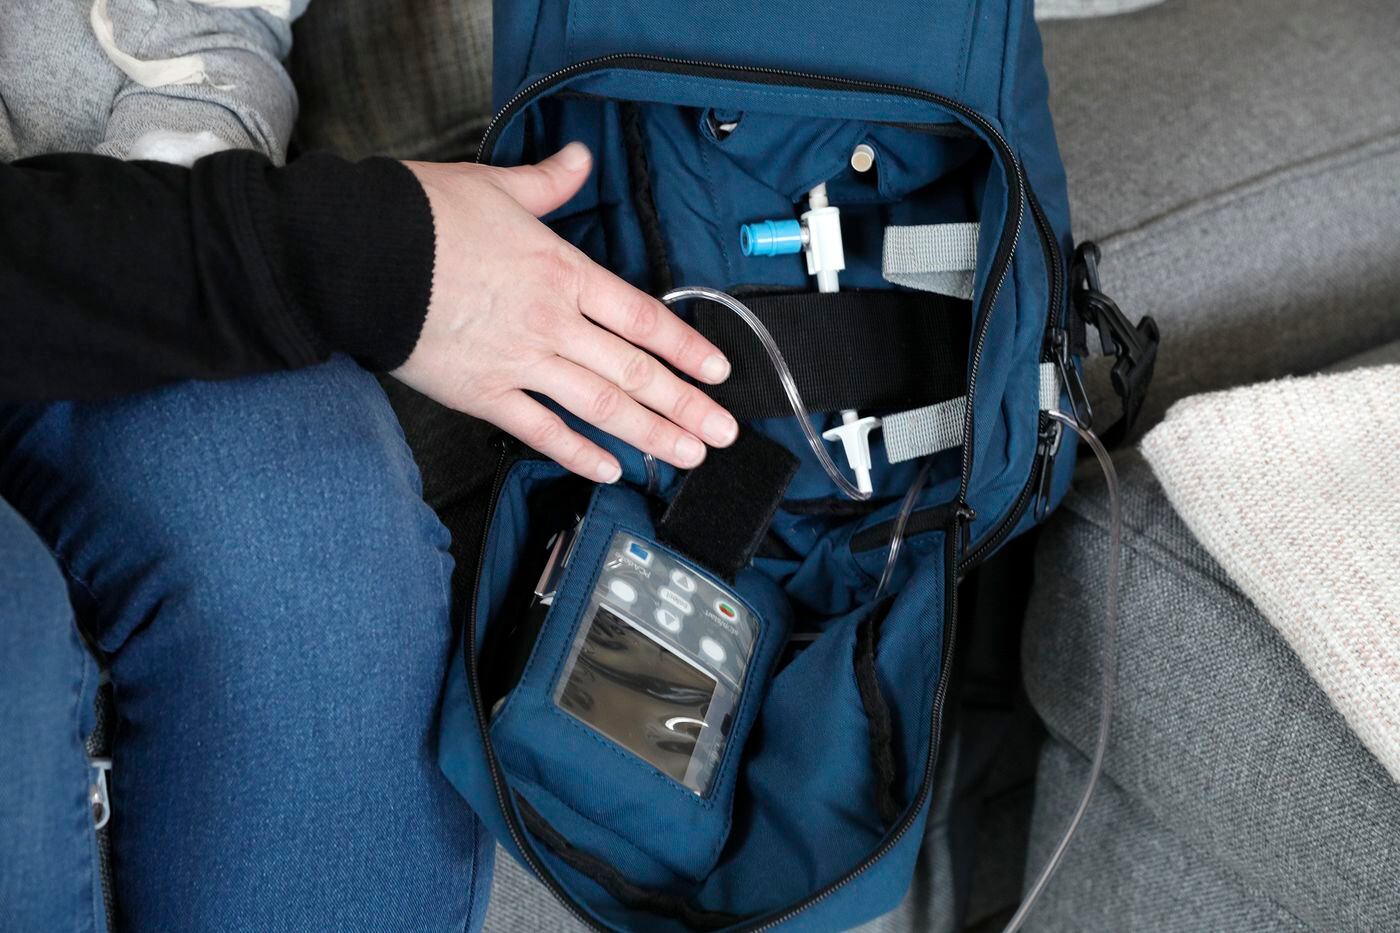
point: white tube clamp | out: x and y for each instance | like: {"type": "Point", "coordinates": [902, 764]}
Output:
{"type": "Point", "coordinates": [854, 435]}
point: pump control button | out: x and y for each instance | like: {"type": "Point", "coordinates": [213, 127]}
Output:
{"type": "Point", "coordinates": [675, 599]}
{"type": "Point", "coordinates": [682, 581]}
{"type": "Point", "coordinates": [668, 620]}
{"type": "Point", "coordinates": [713, 650]}
{"type": "Point", "coordinates": [623, 591]}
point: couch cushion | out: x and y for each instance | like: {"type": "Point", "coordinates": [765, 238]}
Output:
{"type": "Point", "coordinates": [1218, 731]}
{"type": "Point", "coordinates": [1237, 162]}
{"type": "Point", "coordinates": [1080, 9]}
{"type": "Point", "coordinates": [520, 902]}
{"type": "Point", "coordinates": [407, 78]}
{"type": "Point", "coordinates": [1257, 473]}
{"type": "Point", "coordinates": [1129, 871]}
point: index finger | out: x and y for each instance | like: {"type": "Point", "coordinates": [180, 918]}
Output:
{"type": "Point", "coordinates": [642, 320]}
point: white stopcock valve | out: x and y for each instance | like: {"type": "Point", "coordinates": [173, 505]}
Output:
{"type": "Point", "coordinates": [818, 235]}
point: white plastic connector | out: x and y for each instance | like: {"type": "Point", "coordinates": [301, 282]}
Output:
{"type": "Point", "coordinates": [826, 257]}
{"type": "Point", "coordinates": [854, 435]}
{"type": "Point", "coordinates": [863, 158]}
{"type": "Point", "coordinates": [821, 225]}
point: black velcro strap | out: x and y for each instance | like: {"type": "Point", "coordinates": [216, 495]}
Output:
{"type": "Point", "coordinates": [724, 506]}
{"type": "Point", "coordinates": [867, 350]}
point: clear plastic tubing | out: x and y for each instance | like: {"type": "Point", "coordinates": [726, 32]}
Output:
{"type": "Point", "coordinates": [784, 376]}
{"type": "Point", "coordinates": [897, 535]}
{"type": "Point", "coordinates": [1108, 664]}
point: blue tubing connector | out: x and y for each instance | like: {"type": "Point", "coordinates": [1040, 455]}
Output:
{"type": "Point", "coordinates": [771, 238]}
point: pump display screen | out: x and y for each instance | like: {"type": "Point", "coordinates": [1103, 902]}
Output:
{"type": "Point", "coordinates": [658, 660]}
{"type": "Point", "coordinates": [638, 693]}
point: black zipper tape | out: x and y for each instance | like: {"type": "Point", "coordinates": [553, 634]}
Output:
{"type": "Point", "coordinates": [920, 521]}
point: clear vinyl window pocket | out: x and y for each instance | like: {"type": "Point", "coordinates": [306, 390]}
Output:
{"type": "Point", "coordinates": [660, 661]}
{"type": "Point", "coordinates": [625, 730]}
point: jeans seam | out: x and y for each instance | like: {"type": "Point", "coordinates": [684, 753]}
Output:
{"type": "Point", "coordinates": [73, 576]}
{"type": "Point", "coordinates": [89, 634]}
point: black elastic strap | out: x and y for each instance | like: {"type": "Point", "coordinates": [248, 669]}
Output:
{"type": "Point", "coordinates": [867, 350]}
{"type": "Point", "coordinates": [724, 506]}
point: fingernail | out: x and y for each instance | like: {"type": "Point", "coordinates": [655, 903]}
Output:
{"type": "Point", "coordinates": [714, 369]}
{"type": "Point", "coordinates": [720, 429]}
{"type": "Point", "coordinates": [689, 451]}
{"type": "Point", "coordinates": [609, 472]}
{"type": "Point", "coordinates": [574, 156]}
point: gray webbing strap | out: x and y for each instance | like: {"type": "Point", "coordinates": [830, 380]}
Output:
{"type": "Point", "coordinates": [938, 258]}
{"type": "Point", "coordinates": [923, 431]}
{"type": "Point", "coordinates": [1049, 386]}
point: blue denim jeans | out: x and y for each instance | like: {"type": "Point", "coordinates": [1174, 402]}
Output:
{"type": "Point", "coordinates": [255, 561]}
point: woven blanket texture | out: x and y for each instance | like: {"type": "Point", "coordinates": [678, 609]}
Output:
{"type": "Point", "coordinates": [1293, 487]}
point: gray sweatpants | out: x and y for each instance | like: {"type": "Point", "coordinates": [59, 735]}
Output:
{"type": "Point", "coordinates": [62, 92]}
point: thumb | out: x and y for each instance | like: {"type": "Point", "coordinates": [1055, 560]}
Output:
{"type": "Point", "coordinates": [548, 185]}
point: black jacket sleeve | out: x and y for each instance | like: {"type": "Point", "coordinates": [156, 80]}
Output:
{"type": "Point", "coordinates": [118, 276]}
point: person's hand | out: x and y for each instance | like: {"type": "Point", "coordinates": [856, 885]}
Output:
{"type": "Point", "coordinates": [514, 307]}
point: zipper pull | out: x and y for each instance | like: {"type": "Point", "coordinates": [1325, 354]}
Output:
{"type": "Point", "coordinates": [966, 515]}
{"type": "Point", "coordinates": [98, 798]}
{"type": "Point", "coordinates": [1045, 449]}
{"type": "Point", "coordinates": [1080, 408]}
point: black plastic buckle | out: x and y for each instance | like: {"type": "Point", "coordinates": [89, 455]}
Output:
{"type": "Point", "coordinates": [1134, 347]}
{"type": "Point", "coordinates": [1131, 345]}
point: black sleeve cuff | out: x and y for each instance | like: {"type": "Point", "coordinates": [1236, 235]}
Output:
{"type": "Point", "coordinates": [350, 246]}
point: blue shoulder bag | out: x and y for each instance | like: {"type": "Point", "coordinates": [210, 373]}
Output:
{"type": "Point", "coordinates": [713, 700]}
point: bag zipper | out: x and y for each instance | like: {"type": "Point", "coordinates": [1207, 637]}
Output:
{"type": "Point", "coordinates": [1001, 267]}
{"type": "Point", "coordinates": [474, 682]}
{"type": "Point", "coordinates": [1056, 349]}
{"type": "Point", "coordinates": [1001, 264]}
{"type": "Point", "coordinates": [1048, 431]}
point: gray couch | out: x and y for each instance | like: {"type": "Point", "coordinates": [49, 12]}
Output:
{"type": "Point", "coordinates": [1235, 797]}
{"type": "Point", "coordinates": [1246, 191]}
{"type": "Point", "coordinates": [1239, 163]}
